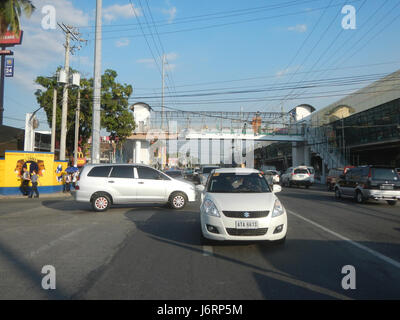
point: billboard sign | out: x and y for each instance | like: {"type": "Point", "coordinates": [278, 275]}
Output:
{"type": "Point", "coordinates": [10, 39]}
{"type": "Point", "coordinates": [9, 67]}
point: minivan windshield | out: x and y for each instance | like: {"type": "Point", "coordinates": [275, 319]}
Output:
{"type": "Point", "coordinates": [236, 183]}
{"type": "Point", "coordinates": [385, 174]}
{"type": "Point", "coordinates": [208, 169]}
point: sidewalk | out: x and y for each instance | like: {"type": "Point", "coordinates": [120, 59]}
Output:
{"type": "Point", "coordinates": [42, 195]}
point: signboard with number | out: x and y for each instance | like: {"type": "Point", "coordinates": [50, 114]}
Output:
{"type": "Point", "coordinates": [9, 67]}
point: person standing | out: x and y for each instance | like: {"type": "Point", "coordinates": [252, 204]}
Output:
{"type": "Point", "coordinates": [35, 181]}
{"type": "Point", "coordinates": [25, 181]}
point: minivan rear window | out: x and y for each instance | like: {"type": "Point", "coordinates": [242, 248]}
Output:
{"type": "Point", "coordinates": [301, 171]}
{"type": "Point", "coordinates": [384, 174]}
{"type": "Point", "coordinates": [102, 171]}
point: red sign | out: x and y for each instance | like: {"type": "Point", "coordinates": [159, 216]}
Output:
{"type": "Point", "coordinates": [10, 39]}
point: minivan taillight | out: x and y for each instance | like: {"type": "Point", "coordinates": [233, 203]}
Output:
{"type": "Point", "coordinates": [76, 187]}
{"type": "Point", "coordinates": [370, 173]}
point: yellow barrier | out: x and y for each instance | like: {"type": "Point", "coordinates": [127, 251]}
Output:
{"type": "Point", "coordinates": [49, 171]}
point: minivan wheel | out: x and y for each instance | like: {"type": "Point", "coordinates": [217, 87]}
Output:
{"type": "Point", "coordinates": [100, 202]}
{"type": "Point", "coordinates": [359, 197]}
{"type": "Point", "coordinates": [392, 202]}
{"type": "Point", "coordinates": [177, 200]}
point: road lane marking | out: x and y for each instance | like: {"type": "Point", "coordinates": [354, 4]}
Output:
{"type": "Point", "coordinates": [54, 242]}
{"type": "Point", "coordinates": [354, 243]}
{"type": "Point", "coordinates": [208, 251]}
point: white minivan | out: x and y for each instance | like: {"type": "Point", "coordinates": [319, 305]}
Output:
{"type": "Point", "coordinates": [106, 184]}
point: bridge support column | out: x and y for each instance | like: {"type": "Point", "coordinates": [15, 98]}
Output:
{"type": "Point", "coordinates": [307, 156]}
{"type": "Point", "coordinates": [138, 146]}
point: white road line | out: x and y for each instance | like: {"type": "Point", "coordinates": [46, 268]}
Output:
{"type": "Point", "coordinates": [356, 244]}
{"type": "Point", "coordinates": [54, 242]}
{"type": "Point", "coordinates": [208, 251]}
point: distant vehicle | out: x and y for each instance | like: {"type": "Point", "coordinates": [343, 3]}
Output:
{"type": "Point", "coordinates": [196, 175]}
{"type": "Point", "coordinates": [312, 174]}
{"type": "Point", "coordinates": [274, 176]}
{"type": "Point", "coordinates": [204, 173]}
{"type": "Point", "coordinates": [103, 185]}
{"type": "Point", "coordinates": [333, 177]}
{"type": "Point", "coordinates": [238, 204]}
{"type": "Point", "coordinates": [297, 176]}
{"type": "Point", "coordinates": [176, 174]}
{"type": "Point", "coordinates": [369, 182]}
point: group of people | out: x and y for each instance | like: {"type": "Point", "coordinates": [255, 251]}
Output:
{"type": "Point", "coordinates": [70, 179]}
{"type": "Point", "coordinates": [27, 177]}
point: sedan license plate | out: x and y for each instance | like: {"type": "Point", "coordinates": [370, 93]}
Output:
{"type": "Point", "coordinates": [386, 187]}
{"type": "Point", "coordinates": [246, 224]}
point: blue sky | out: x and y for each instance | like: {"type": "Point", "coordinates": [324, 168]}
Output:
{"type": "Point", "coordinates": [214, 46]}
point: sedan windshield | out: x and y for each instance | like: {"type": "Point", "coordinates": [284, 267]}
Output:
{"type": "Point", "coordinates": [234, 183]}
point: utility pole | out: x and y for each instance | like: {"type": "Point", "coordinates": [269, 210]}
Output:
{"type": "Point", "coordinates": [53, 122]}
{"type": "Point", "coordinates": [97, 88]}
{"type": "Point", "coordinates": [162, 92]}
{"type": "Point", "coordinates": [64, 109]}
{"type": "Point", "coordinates": [3, 58]}
{"type": "Point", "coordinates": [77, 114]}
{"type": "Point", "coordinates": [69, 32]}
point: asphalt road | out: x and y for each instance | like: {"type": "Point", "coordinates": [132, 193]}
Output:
{"type": "Point", "coordinates": [152, 252]}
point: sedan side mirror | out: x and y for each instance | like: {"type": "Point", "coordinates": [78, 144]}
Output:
{"type": "Point", "coordinates": [200, 188]}
{"type": "Point", "coordinates": [276, 188]}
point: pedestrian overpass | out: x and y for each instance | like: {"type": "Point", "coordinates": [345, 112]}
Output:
{"type": "Point", "coordinates": [210, 130]}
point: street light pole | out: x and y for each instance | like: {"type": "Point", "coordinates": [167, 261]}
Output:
{"type": "Point", "coordinates": [97, 88]}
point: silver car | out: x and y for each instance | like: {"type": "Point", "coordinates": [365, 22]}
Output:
{"type": "Point", "coordinates": [107, 184]}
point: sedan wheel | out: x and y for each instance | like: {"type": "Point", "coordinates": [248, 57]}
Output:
{"type": "Point", "coordinates": [359, 197]}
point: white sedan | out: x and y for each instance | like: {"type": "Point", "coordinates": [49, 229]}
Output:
{"type": "Point", "coordinates": [238, 204]}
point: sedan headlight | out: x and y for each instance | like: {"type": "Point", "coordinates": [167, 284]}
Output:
{"type": "Point", "coordinates": [278, 209]}
{"type": "Point", "coordinates": [210, 208]}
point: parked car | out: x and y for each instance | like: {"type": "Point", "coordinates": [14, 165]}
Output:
{"type": "Point", "coordinates": [104, 185]}
{"type": "Point", "coordinates": [298, 176]}
{"type": "Point", "coordinates": [204, 173]}
{"type": "Point", "coordinates": [238, 204]}
{"type": "Point", "coordinates": [369, 182]}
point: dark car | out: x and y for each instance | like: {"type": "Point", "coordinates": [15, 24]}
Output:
{"type": "Point", "coordinates": [176, 174]}
{"type": "Point", "coordinates": [369, 182]}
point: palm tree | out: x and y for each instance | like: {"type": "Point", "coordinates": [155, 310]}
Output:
{"type": "Point", "coordinates": [10, 13]}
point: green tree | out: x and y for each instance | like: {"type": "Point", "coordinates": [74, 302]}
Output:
{"type": "Point", "coordinates": [10, 13]}
{"type": "Point", "coordinates": [115, 115]}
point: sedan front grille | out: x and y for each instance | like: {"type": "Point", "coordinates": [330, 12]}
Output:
{"type": "Point", "coordinates": [246, 232]}
{"type": "Point", "coordinates": [245, 214]}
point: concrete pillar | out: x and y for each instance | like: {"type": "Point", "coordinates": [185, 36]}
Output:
{"type": "Point", "coordinates": [294, 154]}
{"type": "Point", "coordinates": [138, 146]}
{"type": "Point", "coordinates": [307, 156]}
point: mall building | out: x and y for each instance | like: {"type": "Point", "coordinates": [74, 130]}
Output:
{"type": "Point", "coordinates": [359, 129]}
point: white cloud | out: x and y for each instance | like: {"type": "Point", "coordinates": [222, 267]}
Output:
{"type": "Point", "coordinates": [117, 11]}
{"type": "Point", "coordinates": [298, 28]}
{"type": "Point", "coordinates": [169, 57]}
{"type": "Point", "coordinates": [171, 13]}
{"type": "Point", "coordinates": [122, 43]}
{"type": "Point", "coordinates": [284, 72]}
